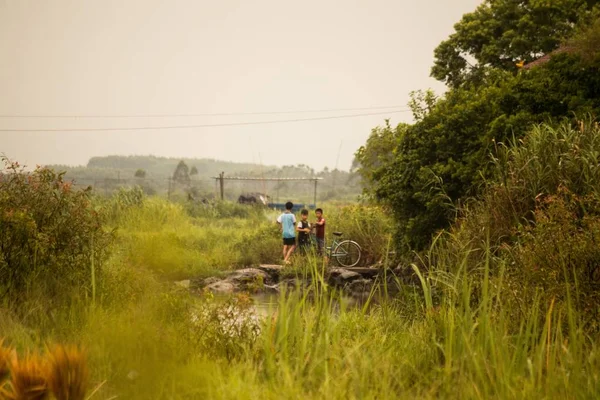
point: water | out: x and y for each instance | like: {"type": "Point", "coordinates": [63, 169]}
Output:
{"type": "Point", "coordinates": [265, 304]}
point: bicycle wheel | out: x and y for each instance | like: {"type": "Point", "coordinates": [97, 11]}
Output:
{"type": "Point", "coordinates": [347, 253]}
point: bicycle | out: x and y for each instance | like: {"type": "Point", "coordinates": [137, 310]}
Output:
{"type": "Point", "coordinates": [346, 252]}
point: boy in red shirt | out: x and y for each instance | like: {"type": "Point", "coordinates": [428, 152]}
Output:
{"type": "Point", "coordinates": [319, 226]}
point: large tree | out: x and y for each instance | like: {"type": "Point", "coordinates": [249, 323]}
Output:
{"type": "Point", "coordinates": [182, 173]}
{"type": "Point", "coordinates": [444, 157]}
{"type": "Point", "coordinates": [500, 33]}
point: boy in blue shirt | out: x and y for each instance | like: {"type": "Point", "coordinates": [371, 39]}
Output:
{"type": "Point", "coordinates": [287, 223]}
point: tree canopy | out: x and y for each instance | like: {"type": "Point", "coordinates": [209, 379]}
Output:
{"type": "Point", "coordinates": [499, 33]}
{"type": "Point", "coordinates": [425, 170]}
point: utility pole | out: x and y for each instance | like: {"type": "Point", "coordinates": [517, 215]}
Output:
{"type": "Point", "coordinates": [222, 185]}
{"type": "Point", "coordinates": [315, 198]}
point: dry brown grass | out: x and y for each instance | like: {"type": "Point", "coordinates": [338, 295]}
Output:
{"type": "Point", "coordinates": [6, 354]}
{"type": "Point", "coordinates": [27, 379]}
{"type": "Point", "coordinates": [67, 373]}
{"type": "Point", "coordinates": [6, 357]}
{"type": "Point", "coordinates": [63, 372]}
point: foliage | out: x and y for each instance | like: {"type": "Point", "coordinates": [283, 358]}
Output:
{"type": "Point", "coordinates": [422, 103]}
{"type": "Point", "coordinates": [106, 175]}
{"type": "Point", "coordinates": [313, 346]}
{"type": "Point", "coordinates": [140, 173]}
{"type": "Point", "coordinates": [499, 33]}
{"type": "Point", "coordinates": [147, 338]}
{"type": "Point", "coordinates": [226, 328]}
{"type": "Point", "coordinates": [369, 226]}
{"type": "Point", "coordinates": [181, 173]}
{"type": "Point", "coordinates": [560, 255]}
{"type": "Point", "coordinates": [548, 160]}
{"type": "Point", "coordinates": [587, 41]}
{"type": "Point", "coordinates": [222, 209]}
{"type": "Point", "coordinates": [537, 222]}
{"type": "Point", "coordinates": [444, 159]}
{"type": "Point", "coordinates": [122, 200]}
{"type": "Point", "coordinates": [548, 186]}
{"type": "Point", "coordinates": [48, 233]}
{"type": "Point", "coordinates": [62, 372]}
{"type": "Point", "coordinates": [373, 158]}
{"type": "Point", "coordinates": [260, 244]}
{"type": "Point", "coordinates": [164, 166]}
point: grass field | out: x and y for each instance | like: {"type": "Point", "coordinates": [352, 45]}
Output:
{"type": "Point", "coordinates": [147, 339]}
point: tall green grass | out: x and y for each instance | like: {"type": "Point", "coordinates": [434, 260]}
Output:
{"type": "Point", "coordinates": [314, 347]}
{"type": "Point", "coordinates": [456, 335]}
{"type": "Point", "coordinates": [162, 237]}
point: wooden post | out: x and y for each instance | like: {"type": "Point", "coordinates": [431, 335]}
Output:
{"type": "Point", "coordinates": [222, 184]}
{"type": "Point", "coordinates": [315, 199]}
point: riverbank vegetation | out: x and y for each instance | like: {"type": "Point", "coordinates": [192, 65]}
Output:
{"type": "Point", "coordinates": [502, 310]}
{"type": "Point", "coordinates": [491, 199]}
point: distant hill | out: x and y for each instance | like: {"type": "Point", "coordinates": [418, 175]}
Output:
{"type": "Point", "coordinates": [163, 167]}
{"type": "Point", "coordinates": [155, 175]}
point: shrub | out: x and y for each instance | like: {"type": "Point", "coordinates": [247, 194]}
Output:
{"type": "Point", "coordinates": [260, 245]}
{"type": "Point", "coordinates": [539, 219]}
{"type": "Point", "coordinates": [560, 254]}
{"type": "Point", "coordinates": [548, 161]}
{"type": "Point", "coordinates": [367, 225]}
{"type": "Point", "coordinates": [48, 232]}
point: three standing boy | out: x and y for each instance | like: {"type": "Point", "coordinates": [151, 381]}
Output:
{"type": "Point", "coordinates": [287, 222]}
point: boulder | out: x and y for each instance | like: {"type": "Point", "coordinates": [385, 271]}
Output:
{"type": "Point", "coordinates": [360, 286]}
{"type": "Point", "coordinates": [273, 270]}
{"type": "Point", "coordinates": [369, 272]}
{"type": "Point", "coordinates": [210, 280]}
{"type": "Point", "coordinates": [221, 287]}
{"type": "Point", "coordinates": [341, 276]}
{"type": "Point", "coordinates": [249, 275]}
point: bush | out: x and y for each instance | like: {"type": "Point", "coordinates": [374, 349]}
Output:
{"type": "Point", "coordinates": [548, 161]}
{"type": "Point", "coordinates": [538, 220]}
{"type": "Point", "coordinates": [369, 226]}
{"type": "Point", "coordinates": [560, 254]}
{"type": "Point", "coordinates": [49, 233]}
{"type": "Point", "coordinates": [261, 245]}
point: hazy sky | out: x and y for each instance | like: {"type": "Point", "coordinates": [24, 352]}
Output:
{"type": "Point", "coordinates": [132, 57]}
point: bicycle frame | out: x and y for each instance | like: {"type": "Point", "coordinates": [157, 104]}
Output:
{"type": "Point", "coordinates": [335, 250]}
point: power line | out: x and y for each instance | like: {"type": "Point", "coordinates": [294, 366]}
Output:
{"type": "Point", "coordinates": [194, 115]}
{"type": "Point", "coordinates": [147, 128]}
